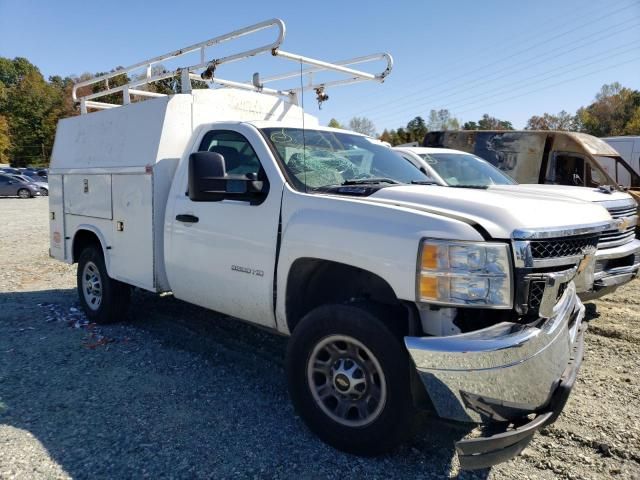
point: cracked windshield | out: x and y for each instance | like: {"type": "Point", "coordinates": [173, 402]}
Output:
{"type": "Point", "coordinates": [318, 159]}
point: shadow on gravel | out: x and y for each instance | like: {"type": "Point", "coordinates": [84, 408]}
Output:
{"type": "Point", "coordinates": [177, 391]}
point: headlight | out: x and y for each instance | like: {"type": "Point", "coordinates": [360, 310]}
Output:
{"type": "Point", "coordinates": [472, 274]}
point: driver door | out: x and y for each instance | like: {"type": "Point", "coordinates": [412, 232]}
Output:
{"type": "Point", "coordinates": [222, 254]}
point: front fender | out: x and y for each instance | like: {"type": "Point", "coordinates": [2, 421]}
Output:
{"type": "Point", "coordinates": [381, 239]}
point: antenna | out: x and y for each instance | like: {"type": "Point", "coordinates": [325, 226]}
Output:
{"type": "Point", "coordinates": [304, 139]}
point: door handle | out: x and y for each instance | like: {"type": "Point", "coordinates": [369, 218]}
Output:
{"type": "Point", "coordinates": [186, 218]}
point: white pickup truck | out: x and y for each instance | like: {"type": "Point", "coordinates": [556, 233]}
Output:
{"type": "Point", "coordinates": [618, 255]}
{"type": "Point", "coordinates": [394, 292]}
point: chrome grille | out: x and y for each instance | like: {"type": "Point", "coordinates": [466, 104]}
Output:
{"type": "Point", "coordinates": [620, 212]}
{"type": "Point", "coordinates": [536, 290]}
{"type": "Point", "coordinates": [562, 247]}
{"type": "Point", "coordinates": [614, 237]}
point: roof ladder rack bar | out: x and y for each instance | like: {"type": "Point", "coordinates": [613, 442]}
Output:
{"type": "Point", "coordinates": [207, 70]}
{"type": "Point", "coordinates": [352, 61]}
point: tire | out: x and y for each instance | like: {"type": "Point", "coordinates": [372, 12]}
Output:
{"type": "Point", "coordinates": [24, 193]}
{"type": "Point", "coordinates": [103, 299]}
{"type": "Point", "coordinates": [318, 394]}
{"type": "Point", "coordinates": [44, 192]}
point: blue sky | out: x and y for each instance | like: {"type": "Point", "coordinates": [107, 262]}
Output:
{"type": "Point", "coordinates": [509, 59]}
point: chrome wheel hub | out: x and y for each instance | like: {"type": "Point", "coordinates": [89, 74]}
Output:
{"type": "Point", "coordinates": [349, 378]}
{"type": "Point", "coordinates": [346, 381]}
{"type": "Point", "coordinates": [92, 285]}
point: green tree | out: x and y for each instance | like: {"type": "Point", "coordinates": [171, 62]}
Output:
{"type": "Point", "coordinates": [170, 85]}
{"type": "Point", "coordinates": [488, 122]}
{"type": "Point", "coordinates": [402, 136]}
{"type": "Point", "coordinates": [632, 127]}
{"type": "Point", "coordinates": [416, 129]}
{"type": "Point", "coordinates": [13, 71]}
{"type": "Point", "coordinates": [385, 136]}
{"type": "Point", "coordinates": [614, 107]}
{"type": "Point", "coordinates": [5, 140]}
{"type": "Point", "coordinates": [362, 125]}
{"type": "Point", "coordinates": [470, 126]}
{"type": "Point", "coordinates": [333, 123]}
{"type": "Point", "coordinates": [31, 108]}
{"type": "Point", "coordinates": [26, 107]}
{"type": "Point", "coordinates": [561, 121]}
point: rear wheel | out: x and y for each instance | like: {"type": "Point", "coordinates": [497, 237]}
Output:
{"type": "Point", "coordinates": [44, 192]}
{"type": "Point", "coordinates": [24, 193]}
{"type": "Point", "coordinates": [103, 299]}
{"type": "Point", "coordinates": [348, 379]}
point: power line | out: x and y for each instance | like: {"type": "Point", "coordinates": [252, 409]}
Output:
{"type": "Point", "coordinates": [541, 77]}
{"type": "Point", "coordinates": [541, 34]}
{"type": "Point", "coordinates": [456, 89]}
{"type": "Point", "coordinates": [622, 52]}
{"type": "Point", "coordinates": [550, 86]}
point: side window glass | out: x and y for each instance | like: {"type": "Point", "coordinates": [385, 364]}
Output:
{"type": "Point", "coordinates": [566, 170]}
{"type": "Point", "coordinates": [623, 175]}
{"type": "Point", "coordinates": [597, 178]}
{"type": "Point", "coordinates": [239, 156]}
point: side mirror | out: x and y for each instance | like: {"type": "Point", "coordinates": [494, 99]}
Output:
{"type": "Point", "coordinates": [209, 181]}
{"type": "Point", "coordinates": [207, 177]}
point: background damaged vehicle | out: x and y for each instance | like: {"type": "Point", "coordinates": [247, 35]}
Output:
{"type": "Point", "coordinates": [618, 255]}
{"type": "Point", "coordinates": [391, 289]}
{"type": "Point", "coordinates": [545, 157]}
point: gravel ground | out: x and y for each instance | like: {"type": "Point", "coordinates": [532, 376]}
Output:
{"type": "Point", "coordinates": [180, 392]}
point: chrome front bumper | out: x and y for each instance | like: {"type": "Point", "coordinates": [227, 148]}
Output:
{"type": "Point", "coordinates": [502, 372]}
{"type": "Point", "coordinates": [609, 274]}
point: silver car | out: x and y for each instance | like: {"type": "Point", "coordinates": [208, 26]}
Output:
{"type": "Point", "coordinates": [37, 181]}
{"type": "Point", "coordinates": [15, 187]}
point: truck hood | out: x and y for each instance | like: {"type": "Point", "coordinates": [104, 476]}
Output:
{"type": "Point", "coordinates": [498, 212]}
{"type": "Point", "coordinates": [586, 194]}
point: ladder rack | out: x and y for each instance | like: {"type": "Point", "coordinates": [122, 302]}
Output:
{"type": "Point", "coordinates": [206, 70]}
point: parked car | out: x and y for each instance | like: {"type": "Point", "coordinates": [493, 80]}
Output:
{"type": "Point", "coordinates": [37, 181]}
{"type": "Point", "coordinates": [35, 172]}
{"type": "Point", "coordinates": [10, 170]}
{"type": "Point", "coordinates": [15, 187]}
{"type": "Point", "coordinates": [618, 254]}
{"type": "Point", "coordinates": [392, 290]}
{"type": "Point", "coordinates": [545, 157]}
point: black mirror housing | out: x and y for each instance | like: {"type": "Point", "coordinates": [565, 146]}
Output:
{"type": "Point", "coordinates": [209, 181]}
{"type": "Point", "coordinates": [207, 177]}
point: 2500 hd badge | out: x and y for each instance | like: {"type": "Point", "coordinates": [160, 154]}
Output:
{"type": "Point", "coordinates": [251, 271]}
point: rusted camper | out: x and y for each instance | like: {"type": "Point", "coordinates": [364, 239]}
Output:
{"type": "Point", "coordinates": [563, 158]}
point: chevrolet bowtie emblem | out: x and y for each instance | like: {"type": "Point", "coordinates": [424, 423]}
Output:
{"type": "Point", "coordinates": [623, 224]}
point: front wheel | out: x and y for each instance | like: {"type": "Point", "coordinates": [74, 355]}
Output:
{"type": "Point", "coordinates": [24, 193]}
{"type": "Point", "coordinates": [348, 377]}
{"type": "Point", "coordinates": [103, 299]}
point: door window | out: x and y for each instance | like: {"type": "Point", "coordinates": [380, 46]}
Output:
{"type": "Point", "coordinates": [240, 157]}
{"type": "Point", "coordinates": [566, 169]}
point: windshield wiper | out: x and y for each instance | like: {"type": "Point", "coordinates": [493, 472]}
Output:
{"type": "Point", "coordinates": [424, 182]}
{"type": "Point", "coordinates": [478, 187]}
{"type": "Point", "coordinates": [365, 181]}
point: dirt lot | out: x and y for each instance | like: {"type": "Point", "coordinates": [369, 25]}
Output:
{"type": "Point", "coordinates": [181, 392]}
